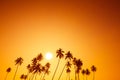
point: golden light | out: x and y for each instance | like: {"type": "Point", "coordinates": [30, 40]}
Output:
{"type": "Point", "coordinates": [48, 56]}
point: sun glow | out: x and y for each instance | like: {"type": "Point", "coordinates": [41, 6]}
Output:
{"type": "Point", "coordinates": [48, 56]}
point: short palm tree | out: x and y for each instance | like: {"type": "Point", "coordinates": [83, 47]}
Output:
{"type": "Point", "coordinates": [18, 62]}
{"type": "Point", "coordinates": [68, 72]}
{"type": "Point", "coordinates": [83, 73]}
{"type": "Point", "coordinates": [68, 65]}
{"type": "Point", "coordinates": [22, 76]}
{"type": "Point", "coordinates": [87, 73]}
{"type": "Point", "coordinates": [39, 57]}
{"type": "Point", "coordinates": [8, 70]}
{"type": "Point", "coordinates": [75, 67]}
{"type": "Point", "coordinates": [78, 65]}
{"type": "Point", "coordinates": [59, 55]}
{"type": "Point", "coordinates": [93, 69]}
{"type": "Point", "coordinates": [46, 70]}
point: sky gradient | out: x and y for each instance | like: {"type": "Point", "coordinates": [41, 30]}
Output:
{"type": "Point", "coordinates": [89, 29]}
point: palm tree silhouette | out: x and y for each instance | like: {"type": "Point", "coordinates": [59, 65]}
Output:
{"type": "Point", "coordinates": [8, 70]}
{"type": "Point", "coordinates": [68, 57]}
{"type": "Point", "coordinates": [36, 70]}
{"type": "Point", "coordinates": [39, 57]}
{"type": "Point", "coordinates": [68, 65]}
{"type": "Point", "coordinates": [59, 55]}
{"type": "Point", "coordinates": [74, 63]}
{"type": "Point", "coordinates": [83, 73]}
{"type": "Point", "coordinates": [18, 62]}
{"type": "Point", "coordinates": [87, 73]}
{"type": "Point", "coordinates": [22, 76]}
{"type": "Point", "coordinates": [25, 77]}
{"type": "Point", "coordinates": [45, 70]}
{"type": "Point", "coordinates": [68, 72]}
{"type": "Point", "coordinates": [78, 64]}
{"type": "Point", "coordinates": [93, 69]}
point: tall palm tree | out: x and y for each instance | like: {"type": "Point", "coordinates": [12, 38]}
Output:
{"type": "Point", "coordinates": [87, 73]}
{"type": "Point", "coordinates": [93, 69]}
{"type": "Point", "coordinates": [83, 73]}
{"type": "Point", "coordinates": [68, 56]}
{"type": "Point", "coordinates": [59, 55]}
{"type": "Point", "coordinates": [18, 62]}
{"type": "Point", "coordinates": [8, 70]}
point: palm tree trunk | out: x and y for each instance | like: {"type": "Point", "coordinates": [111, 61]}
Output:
{"type": "Point", "coordinates": [43, 76]}
{"type": "Point", "coordinates": [93, 75]}
{"type": "Point", "coordinates": [15, 72]}
{"type": "Point", "coordinates": [83, 77]}
{"type": "Point", "coordinates": [6, 76]}
{"type": "Point", "coordinates": [69, 75]}
{"type": "Point", "coordinates": [75, 73]}
{"type": "Point", "coordinates": [56, 69]}
{"type": "Point", "coordinates": [78, 76]}
{"type": "Point", "coordinates": [86, 77]}
{"type": "Point", "coordinates": [33, 77]}
{"type": "Point", "coordinates": [62, 72]}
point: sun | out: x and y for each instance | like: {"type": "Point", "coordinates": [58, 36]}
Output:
{"type": "Point", "coordinates": [48, 56]}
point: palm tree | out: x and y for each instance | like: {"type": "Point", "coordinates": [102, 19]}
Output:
{"type": "Point", "coordinates": [18, 62]}
{"type": "Point", "coordinates": [39, 57]}
{"type": "Point", "coordinates": [78, 64]}
{"type": "Point", "coordinates": [25, 77]}
{"type": "Point", "coordinates": [93, 69]}
{"type": "Point", "coordinates": [68, 57]}
{"type": "Point", "coordinates": [87, 73]}
{"type": "Point", "coordinates": [74, 63]}
{"type": "Point", "coordinates": [68, 72]}
{"type": "Point", "coordinates": [83, 73]}
{"type": "Point", "coordinates": [22, 76]}
{"type": "Point", "coordinates": [36, 70]}
{"type": "Point", "coordinates": [8, 70]}
{"type": "Point", "coordinates": [46, 72]}
{"type": "Point", "coordinates": [46, 69]}
{"type": "Point", "coordinates": [59, 55]}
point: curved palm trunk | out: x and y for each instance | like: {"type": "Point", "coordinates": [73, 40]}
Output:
{"type": "Point", "coordinates": [15, 72]}
{"type": "Point", "coordinates": [61, 72]}
{"type": "Point", "coordinates": [56, 69]}
{"type": "Point", "coordinates": [6, 76]}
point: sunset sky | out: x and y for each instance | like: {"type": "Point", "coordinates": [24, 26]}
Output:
{"type": "Point", "coordinates": [89, 29]}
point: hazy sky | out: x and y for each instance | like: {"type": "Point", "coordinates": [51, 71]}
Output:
{"type": "Point", "coordinates": [89, 29]}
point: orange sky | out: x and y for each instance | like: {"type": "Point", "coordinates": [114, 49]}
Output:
{"type": "Point", "coordinates": [89, 29]}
